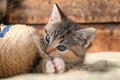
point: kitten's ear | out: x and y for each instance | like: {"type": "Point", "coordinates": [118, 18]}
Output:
{"type": "Point", "coordinates": [85, 36]}
{"type": "Point", "coordinates": [56, 15]}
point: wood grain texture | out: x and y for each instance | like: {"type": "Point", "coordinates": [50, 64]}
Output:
{"type": "Point", "coordinates": [80, 11]}
{"type": "Point", "coordinates": [3, 5]}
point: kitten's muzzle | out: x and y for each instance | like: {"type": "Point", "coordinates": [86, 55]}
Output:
{"type": "Point", "coordinates": [50, 50]}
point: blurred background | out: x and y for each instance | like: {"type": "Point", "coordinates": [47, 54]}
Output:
{"type": "Point", "coordinates": [104, 15]}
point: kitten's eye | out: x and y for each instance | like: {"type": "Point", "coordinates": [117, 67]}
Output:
{"type": "Point", "coordinates": [61, 47]}
{"type": "Point", "coordinates": [47, 38]}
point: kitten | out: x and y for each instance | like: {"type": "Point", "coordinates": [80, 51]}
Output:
{"type": "Point", "coordinates": [66, 42]}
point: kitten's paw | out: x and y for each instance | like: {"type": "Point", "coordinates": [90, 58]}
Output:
{"type": "Point", "coordinates": [50, 67]}
{"type": "Point", "coordinates": [59, 65]}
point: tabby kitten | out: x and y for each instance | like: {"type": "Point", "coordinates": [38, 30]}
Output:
{"type": "Point", "coordinates": [66, 42]}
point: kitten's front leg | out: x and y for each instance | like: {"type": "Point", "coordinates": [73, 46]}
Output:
{"type": "Point", "coordinates": [56, 65]}
{"type": "Point", "coordinates": [49, 67]}
{"type": "Point", "coordinates": [59, 64]}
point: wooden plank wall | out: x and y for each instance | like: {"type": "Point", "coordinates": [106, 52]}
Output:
{"type": "Point", "coordinates": [104, 15]}
{"type": "Point", "coordinates": [80, 11]}
{"type": "Point", "coordinates": [3, 4]}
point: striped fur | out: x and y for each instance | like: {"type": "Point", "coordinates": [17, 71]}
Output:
{"type": "Point", "coordinates": [62, 31]}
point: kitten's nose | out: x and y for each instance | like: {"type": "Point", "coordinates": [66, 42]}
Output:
{"type": "Point", "coordinates": [50, 50]}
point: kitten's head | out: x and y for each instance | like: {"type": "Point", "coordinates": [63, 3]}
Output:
{"type": "Point", "coordinates": [65, 39]}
